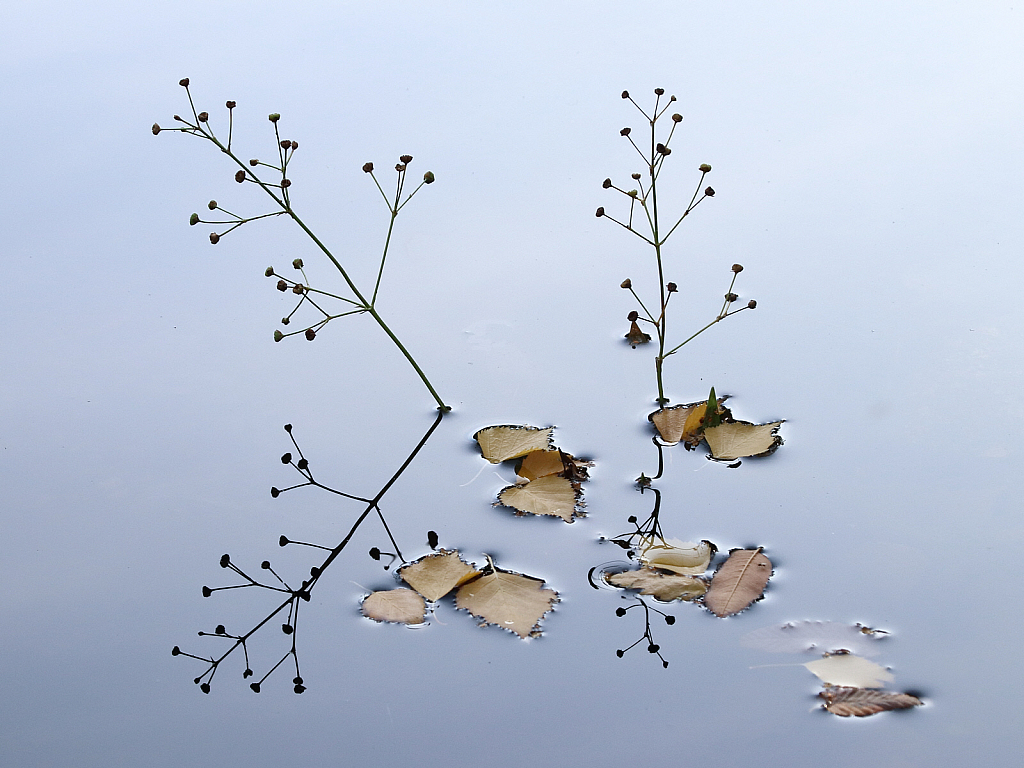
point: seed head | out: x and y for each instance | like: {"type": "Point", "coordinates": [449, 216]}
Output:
{"type": "Point", "coordinates": [183, 82]}
{"type": "Point", "coordinates": [428, 177]}
{"type": "Point", "coordinates": [212, 205]}
{"type": "Point", "coordinates": [367, 167]}
{"type": "Point", "coordinates": [731, 297]}
{"type": "Point", "coordinates": [282, 286]}
{"type": "Point", "coordinates": [286, 144]}
{"type": "Point", "coordinates": [254, 162]}
{"type": "Point", "coordinates": [737, 268]}
{"type": "Point", "coordinates": [625, 94]}
{"type": "Point", "coordinates": [625, 132]}
{"type": "Point", "coordinates": [751, 304]}
{"type": "Point", "coordinates": [277, 337]}
{"type": "Point", "coordinates": [627, 284]}
{"type": "Point", "coordinates": [677, 118]}
{"type": "Point", "coordinates": [310, 334]}
{"type": "Point", "coordinates": [606, 183]}
{"type": "Point", "coordinates": [240, 176]}
{"type": "Point", "coordinates": [704, 168]}
{"type": "Point", "coordinates": [156, 128]}
{"type": "Point", "coordinates": [193, 219]}
{"type": "Point", "coordinates": [600, 212]}
{"type": "Point", "coordinates": [297, 263]}
{"type": "Point", "coordinates": [285, 183]}
{"type": "Point", "coordinates": [635, 176]}
{"type": "Point", "coordinates": [203, 117]}
{"type": "Point", "coordinates": [214, 238]}
{"type": "Point", "coordinates": [672, 287]}
{"type": "Point", "coordinates": [659, 91]}
{"type": "Point", "coordinates": [406, 159]}
{"type": "Point", "coordinates": [710, 192]}
{"type": "Point", "coordinates": [273, 117]}
{"type": "Point", "coordinates": [633, 316]}
{"type": "Point", "coordinates": [663, 150]}
{"type": "Point", "coordinates": [229, 104]}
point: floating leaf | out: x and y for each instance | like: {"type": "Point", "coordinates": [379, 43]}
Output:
{"type": "Point", "coordinates": [682, 557]}
{"type": "Point", "coordinates": [510, 442]}
{"type": "Point", "coordinates": [402, 606]}
{"type": "Point", "coordinates": [636, 336]}
{"type": "Point", "coordinates": [551, 495]}
{"type": "Point", "coordinates": [845, 670]}
{"type": "Point", "coordinates": [859, 702]}
{"type": "Point", "coordinates": [541, 463]}
{"type": "Point", "coordinates": [510, 600]}
{"type": "Point", "coordinates": [434, 576]}
{"type": "Point", "coordinates": [738, 582]}
{"type": "Point", "coordinates": [798, 636]}
{"type": "Point", "coordinates": [681, 423]}
{"type": "Point", "coordinates": [660, 585]}
{"type": "Point", "coordinates": [738, 439]}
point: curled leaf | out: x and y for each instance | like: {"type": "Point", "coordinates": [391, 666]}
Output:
{"type": "Point", "coordinates": [549, 495]}
{"type": "Point", "coordinates": [682, 557]}
{"type": "Point", "coordinates": [510, 442]}
{"type": "Point", "coordinates": [660, 585]}
{"type": "Point", "coordinates": [739, 581]}
{"type": "Point", "coordinates": [435, 575]}
{"type": "Point", "coordinates": [636, 336]}
{"type": "Point", "coordinates": [738, 439]}
{"type": "Point", "coordinates": [402, 606]}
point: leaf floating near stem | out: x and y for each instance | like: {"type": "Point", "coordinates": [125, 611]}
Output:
{"type": "Point", "coordinates": [435, 575]}
{"type": "Point", "coordinates": [399, 606]}
{"type": "Point", "coordinates": [861, 702]}
{"type": "Point", "coordinates": [739, 439]}
{"type": "Point", "coordinates": [662, 586]}
{"type": "Point", "coordinates": [549, 495]}
{"type": "Point", "coordinates": [739, 582]}
{"type": "Point", "coordinates": [509, 600]}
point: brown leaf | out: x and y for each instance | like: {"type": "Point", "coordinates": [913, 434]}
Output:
{"type": "Point", "coordinates": [680, 423]}
{"type": "Point", "coordinates": [402, 606]}
{"type": "Point", "coordinates": [550, 495]}
{"type": "Point", "coordinates": [510, 600]}
{"type": "Point", "coordinates": [660, 585]}
{"type": "Point", "coordinates": [738, 439]}
{"type": "Point", "coordinates": [510, 442]}
{"type": "Point", "coordinates": [636, 336]}
{"type": "Point", "coordinates": [435, 575]}
{"type": "Point", "coordinates": [739, 581]}
{"type": "Point", "coordinates": [861, 702]}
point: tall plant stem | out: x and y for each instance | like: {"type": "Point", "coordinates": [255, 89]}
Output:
{"type": "Point", "coordinates": [367, 306]}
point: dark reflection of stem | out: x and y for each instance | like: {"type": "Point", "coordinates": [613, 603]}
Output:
{"type": "Point", "coordinates": [294, 595]}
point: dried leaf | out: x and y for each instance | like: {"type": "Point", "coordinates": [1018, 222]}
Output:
{"type": "Point", "coordinates": [660, 585]}
{"type": "Point", "coordinates": [510, 600]}
{"type": "Point", "coordinates": [861, 703]}
{"type": "Point", "coordinates": [435, 575]}
{"type": "Point", "coordinates": [636, 336]}
{"type": "Point", "coordinates": [738, 439]}
{"type": "Point", "coordinates": [510, 442]}
{"type": "Point", "coordinates": [402, 606]}
{"type": "Point", "coordinates": [555, 462]}
{"type": "Point", "coordinates": [681, 423]}
{"type": "Point", "coordinates": [682, 557]}
{"type": "Point", "coordinates": [845, 670]}
{"type": "Point", "coordinates": [799, 636]}
{"type": "Point", "coordinates": [738, 582]}
{"type": "Point", "coordinates": [551, 495]}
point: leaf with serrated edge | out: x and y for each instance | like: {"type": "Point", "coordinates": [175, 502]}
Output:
{"type": "Point", "coordinates": [510, 600]}
{"type": "Point", "coordinates": [551, 495]}
{"type": "Point", "coordinates": [678, 422]}
{"type": "Point", "coordinates": [510, 442]}
{"type": "Point", "coordinates": [660, 585]}
{"type": "Point", "coordinates": [845, 670]}
{"type": "Point", "coordinates": [682, 557]}
{"type": "Point", "coordinates": [402, 606]}
{"type": "Point", "coordinates": [739, 439]}
{"type": "Point", "coordinates": [435, 575]}
{"type": "Point", "coordinates": [861, 702]}
{"type": "Point", "coordinates": [738, 582]}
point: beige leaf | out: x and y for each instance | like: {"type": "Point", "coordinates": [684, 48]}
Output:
{"type": "Point", "coordinates": [402, 606]}
{"type": "Point", "coordinates": [662, 586]}
{"type": "Point", "coordinates": [861, 703]}
{"type": "Point", "coordinates": [510, 600]}
{"type": "Point", "coordinates": [845, 670]}
{"type": "Point", "coordinates": [541, 463]}
{"type": "Point", "coordinates": [551, 495]}
{"type": "Point", "coordinates": [682, 557]}
{"type": "Point", "coordinates": [435, 575]}
{"type": "Point", "coordinates": [738, 582]}
{"type": "Point", "coordinates": [510, 442]}
{"type": "Point", "coordinates": [737, 439]}
{"type": "Point", "coordinates": [680, 423]}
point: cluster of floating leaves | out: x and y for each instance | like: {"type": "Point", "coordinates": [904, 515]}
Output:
{"type": "Point", "coordinates": [727, 439]}
{"type": "Point", "coordinates": [506, 599]}
{"type": "Point", "coordinates": [674, 570]}
{"type": "Point", "coordinates": [549, 477]}
{"type": "Point", "coordinates": [851, 684]}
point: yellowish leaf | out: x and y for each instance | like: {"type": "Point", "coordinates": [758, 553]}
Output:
{"type": "Point", "coordinates": [402, 606]}
{"type": "Point", "coordinates": [550, 495]}
{"type": "Point", "coordinates": [435, 575]}
{"type": "Point", "coordinates": [738, 582]}
{"type": "Point", "coordinates": [541, 463]}
{"type": "Point", "coordinates": [510, 600]}
{"type": "Point", "coordinates": [846, 670]}
{"type": "Point", "coordinates": [680, 423]}
{"type": "Point", "coordinates": [737, 439]}
{"type": "Point", "coordinates": [660, 585]}
{"type": "Point", "coordinates": [682, 557]}
{"type": "Point", "coordinates": [861, 703]}
{"type": "Point", "coordinates": [510, 442]}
